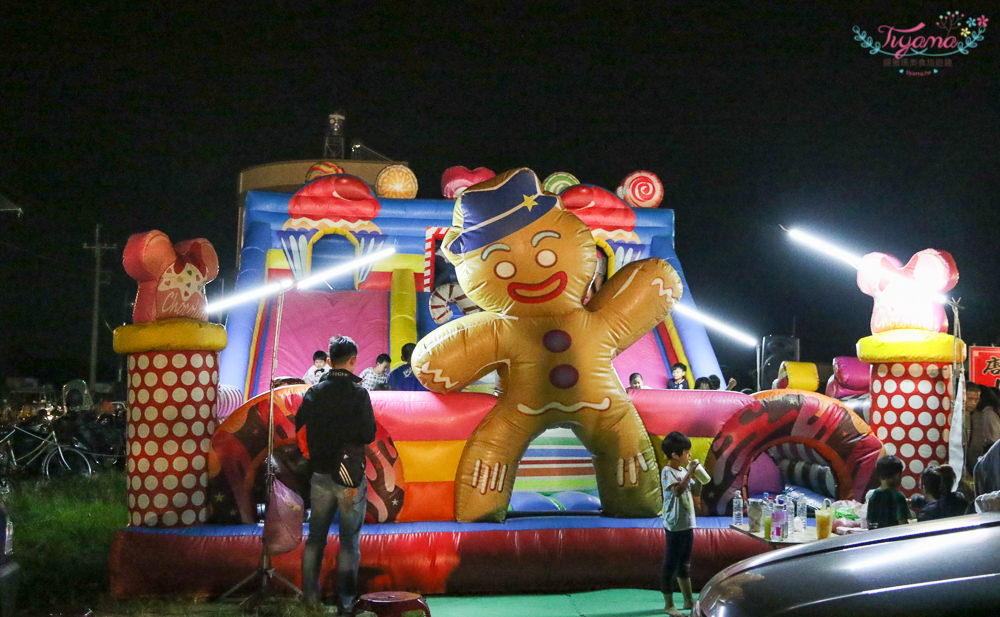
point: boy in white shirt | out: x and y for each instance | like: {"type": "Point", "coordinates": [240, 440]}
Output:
{"type": "Point", "coordinates": [678, 519]}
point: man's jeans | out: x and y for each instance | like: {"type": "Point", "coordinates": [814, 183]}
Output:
{"type": "Point", "coordinates": [328, 497]}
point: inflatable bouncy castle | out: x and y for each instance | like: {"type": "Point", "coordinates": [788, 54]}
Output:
{"type": "Point", "coordinates": [464, 481]}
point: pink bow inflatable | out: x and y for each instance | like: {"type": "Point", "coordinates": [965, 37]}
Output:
{"type": "Point", "coordinates": [906, 296]}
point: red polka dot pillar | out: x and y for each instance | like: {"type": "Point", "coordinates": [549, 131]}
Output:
{"type": "Point", "coordinates": [910, 414]}
{"type": "Point", "coordinates": [911, 396]}
{"type": "Point", "coordinates": [172, 395]}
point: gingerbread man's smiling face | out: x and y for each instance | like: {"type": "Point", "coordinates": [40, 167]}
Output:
{"type": "Point", "coordinates": [541, 269]}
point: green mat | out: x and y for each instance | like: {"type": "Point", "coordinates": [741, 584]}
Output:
{"type": "Point", "coordinates": [606, 603]}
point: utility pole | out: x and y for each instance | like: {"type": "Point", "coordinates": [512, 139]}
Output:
{"type": "Point", "coordinates": [97, 247]}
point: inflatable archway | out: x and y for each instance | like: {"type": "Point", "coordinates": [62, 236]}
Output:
{"type": "Point", "coordinates": [777, 417]}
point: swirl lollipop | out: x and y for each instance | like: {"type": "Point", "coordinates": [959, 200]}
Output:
{"type": "Point", "coordinates": [558, 181]}
{"type": "Point", "coordinates": [641, 189]}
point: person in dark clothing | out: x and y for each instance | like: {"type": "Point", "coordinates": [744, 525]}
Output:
{"type": "Point", "coordinates": [679, 381]}
{"type": "Point", "coordinates": [937, 482]}
{"type": "Point", "coordinates": [402, 377]}
{"type": "Point", "coordinates": [886, 505]}
{"type": "Point", "coordinates": [333, 425]}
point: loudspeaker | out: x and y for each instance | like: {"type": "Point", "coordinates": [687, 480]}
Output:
{"type": "Point", "coordinates": [774, 349]}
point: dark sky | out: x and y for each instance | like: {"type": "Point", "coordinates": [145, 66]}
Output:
{"type": "Point", "coordinates": [140, 116]}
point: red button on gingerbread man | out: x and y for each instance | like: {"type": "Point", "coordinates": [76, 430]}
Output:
{"type": "Point", "coordinates": [528, 262]}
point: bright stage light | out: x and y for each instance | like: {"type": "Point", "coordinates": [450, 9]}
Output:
{"type": "Point", "coordinates": [315, 279]}
{"type": "Point", "coordinates": [285, 284]}
{"type": "Point", "coordinates": [715, 324]}
{"type": "Point", "coordinates": [811, 241]}
{"type": "Point", "coordinates": [252, 294]}
{"type": "Point", "coordinates": [824, 247]}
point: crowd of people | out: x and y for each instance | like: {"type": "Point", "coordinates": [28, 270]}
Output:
{"type": "Point", "coordinates": [376, 377]}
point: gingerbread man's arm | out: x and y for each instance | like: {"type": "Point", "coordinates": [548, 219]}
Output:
{"type": "Point", "coordinates": [458, 352]}
{"type": "Point", "coordinates": [636, 298]}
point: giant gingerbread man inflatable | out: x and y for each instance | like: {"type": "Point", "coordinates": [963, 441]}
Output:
{"type": "Point", "coordinates": [528, 262]}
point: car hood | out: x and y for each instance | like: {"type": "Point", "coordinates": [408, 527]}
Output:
{"type": "Point", "coordinates": [939, 567]}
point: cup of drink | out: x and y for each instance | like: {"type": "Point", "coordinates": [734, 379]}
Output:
{"type": "Point", "coordinates": [824, 520]}
{"type": "Point", "coordinates": [755, 514]}
{"type": "Point", "coordinates": [767, 526]}
{"type": "Point", "coordinates": [700, 473]}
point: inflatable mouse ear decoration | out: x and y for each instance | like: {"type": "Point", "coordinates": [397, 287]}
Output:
{"type": "Point", "coordinates": [171, 277]}
{"type": "Point", "coordinates": [907, 297]}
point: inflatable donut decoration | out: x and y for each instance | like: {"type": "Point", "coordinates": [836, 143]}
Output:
{"type": "Point", "coordinates": [819, 422]}
{"type": "Point", "coordinates": [239, 447]}
{"type": "Point", "coordinates": [440, 301]}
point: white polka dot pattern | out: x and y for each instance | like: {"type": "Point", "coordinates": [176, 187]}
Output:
{"type": "Point", "coordinates": [172, 397]}
{"type": "Point", "coordinates": [914, 396]}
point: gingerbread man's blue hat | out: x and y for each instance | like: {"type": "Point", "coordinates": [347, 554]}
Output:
{"type": "Point", "coordinates": [489, 214]}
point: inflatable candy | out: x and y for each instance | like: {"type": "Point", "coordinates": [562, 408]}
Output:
{"type": "Point", "coordinates": [443, 297]}
{"type": "Point", "coordinates": [641, 189]}
{"type": "Point", "coordinates": [558, 181]}
{"type": "Point", "coordinates": [396, 182]}
{"type": "Point", "coordinates": [323, 168]}
{"type": "Point", "coordinates": [839, 437]}
{"type": "Point", "coordinates": [456, 179]}
{"type": "Point", "coordinates": [527, 262]}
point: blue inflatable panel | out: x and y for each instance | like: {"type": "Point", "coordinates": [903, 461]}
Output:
{"type": "Point", "coordinates": [521, 523]}
{"type": "Point", "coordinates": [577, 501]}
{"type": "Point", "coordinates": [525, 501]}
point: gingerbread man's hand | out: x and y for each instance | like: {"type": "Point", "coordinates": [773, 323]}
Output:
{"type": "Point", "coordinates": [457, 353]}
{"type": "Point", "coordinates": [636, 298]}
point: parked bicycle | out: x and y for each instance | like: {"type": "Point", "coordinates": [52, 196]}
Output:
{"type": "Point", "coordinates": [24, 449]}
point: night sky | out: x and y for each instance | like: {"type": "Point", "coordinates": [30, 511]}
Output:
{"type": "Point", "coordinates": [140, 116]}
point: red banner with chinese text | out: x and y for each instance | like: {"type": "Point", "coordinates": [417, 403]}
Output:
{"type": "Point", "coordinates": [984, 366]}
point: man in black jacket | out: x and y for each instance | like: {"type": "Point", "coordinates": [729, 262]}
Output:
{"type": "Point", "coordinates": [333, 424]}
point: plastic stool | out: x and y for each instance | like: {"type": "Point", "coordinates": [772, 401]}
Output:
{"type": "Point", "coordinates": [392, 604]}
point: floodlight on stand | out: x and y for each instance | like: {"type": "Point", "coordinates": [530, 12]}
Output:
{"type": "Point", "coordinates": [262, 577]}
{"type": "Point", "coordinates": [715, 324]}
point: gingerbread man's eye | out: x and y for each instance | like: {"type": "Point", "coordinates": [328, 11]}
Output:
{"type": "Point", "coordinates": [505, 269]}
{"type": "Point", "coordinates": [546, 258]}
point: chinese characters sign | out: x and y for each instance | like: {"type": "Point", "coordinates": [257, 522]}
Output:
{"type": "Point", "coordinates": [984, 366]}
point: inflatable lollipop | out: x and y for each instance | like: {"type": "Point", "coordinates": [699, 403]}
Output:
{"type": "Point", "coordinates": [641, 189]}
{"type": "Point", "coordinates": [558, 181]}
{"type": "Point", "coordinates": [396, 182]}
{"type": "Point", "coordinates": [323, 168]}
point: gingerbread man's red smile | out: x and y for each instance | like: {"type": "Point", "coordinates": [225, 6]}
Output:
{"type": "Point", "coordinates": [535, 293]}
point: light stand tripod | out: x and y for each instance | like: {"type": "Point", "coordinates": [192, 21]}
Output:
{"type": "Point", "coordinates": [265, 571]}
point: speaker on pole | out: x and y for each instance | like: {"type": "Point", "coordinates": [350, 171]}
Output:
{"type": "Point", "coordinates": [773, 350]}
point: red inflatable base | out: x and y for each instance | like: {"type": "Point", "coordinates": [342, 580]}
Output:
{"type": "Point", "coordinates": [513, 557]}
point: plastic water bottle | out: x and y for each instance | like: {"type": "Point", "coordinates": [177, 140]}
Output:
{"type": "Point", "coordinates": [778, 520]}
{"type": "Point", "coordinates": [738, 509]}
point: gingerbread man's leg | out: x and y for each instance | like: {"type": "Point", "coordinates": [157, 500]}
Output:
{"type": "Point", "coordinates": [627, 474]}
{"type": "Point", "coordinates": [488, 466]}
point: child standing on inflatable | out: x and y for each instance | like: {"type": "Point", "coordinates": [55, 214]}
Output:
{"type": "Point", "coordinates": [679, 382]}
{"type": "Point", "coordinates": [678, 518]}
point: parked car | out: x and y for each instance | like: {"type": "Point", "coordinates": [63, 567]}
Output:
{"type": "Point", "coordinates": [8, 567]}
{"type": "Point", "coordinates": [944, 567]}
